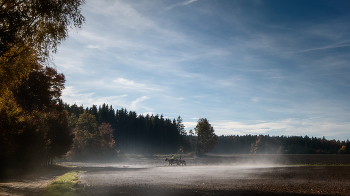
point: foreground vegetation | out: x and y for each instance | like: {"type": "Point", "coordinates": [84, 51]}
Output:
{"type": "Point", "coordinates": [64, 185]}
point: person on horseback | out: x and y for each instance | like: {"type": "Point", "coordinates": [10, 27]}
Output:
{"type": "Point", "coordinates": [173, 157]}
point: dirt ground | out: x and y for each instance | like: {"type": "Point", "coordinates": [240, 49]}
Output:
{"type": "Point", "coordinates": [209, 175]}
{"type": "Point", "coordinates": [218, 180]}
{"type": "Point", "coordinates": [32, 183]}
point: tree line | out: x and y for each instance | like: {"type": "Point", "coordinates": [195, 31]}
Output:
{"type": "Point", "coordinates": [133, 133]}
{"type": "Point", "coordinates": [265, 144]}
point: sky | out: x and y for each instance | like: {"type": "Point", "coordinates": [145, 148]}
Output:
{"type": "Point", "coordinates": [250, 67]}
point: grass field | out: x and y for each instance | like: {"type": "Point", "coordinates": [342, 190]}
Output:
{"type": "Point", "coordinates": [66, 185]}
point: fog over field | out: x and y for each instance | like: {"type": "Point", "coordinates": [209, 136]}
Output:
{"type": "Point", "coordinates": [217, 160]}
{"type": "Point", "coordinates": [170, 175]}
{"type": "Point", "coordinates": [219, 174]}
{"type": "Point", "coordinates": [157, 172]}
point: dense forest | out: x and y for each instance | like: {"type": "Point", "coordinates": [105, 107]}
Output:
{"type": "Point", "coordinates": [265, 144]}
{"type": "Point", "coordinates": [134, 133]}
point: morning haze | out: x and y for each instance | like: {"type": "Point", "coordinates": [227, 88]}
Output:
{"type": "Point", "coordinates": [161, 97]}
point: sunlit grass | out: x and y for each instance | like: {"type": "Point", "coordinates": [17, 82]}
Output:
{"type": "Point", "coordinates": [64, 185]}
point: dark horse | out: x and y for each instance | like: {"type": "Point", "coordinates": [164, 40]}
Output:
{"type": "Point", "coordinates": [181, 162]}
{"type": "Point", "coordinates": [171, 161]}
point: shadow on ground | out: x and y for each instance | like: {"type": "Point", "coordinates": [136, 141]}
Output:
{"type": "Point", "coordinates": [131, 191]}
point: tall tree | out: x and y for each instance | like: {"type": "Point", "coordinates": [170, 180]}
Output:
{"type": "Point", "coordinates": [29, 91]}
{"type": "Point", "coordinates": [185, 145]}
{"type": "Point", "coordinates": [85, 131]}
{"type": "Point", "coordinates": [180, 126]}
{"type": "Point", "coordinates": [57, 133]}
{"type": "Point", "coordinates": [207, 139]}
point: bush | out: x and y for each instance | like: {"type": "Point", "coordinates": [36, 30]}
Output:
{"type": "Point", "coordinates": [343, 150]}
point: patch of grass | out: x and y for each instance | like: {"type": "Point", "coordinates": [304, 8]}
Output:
{"type": "Point", "coordinates": [67, 184]}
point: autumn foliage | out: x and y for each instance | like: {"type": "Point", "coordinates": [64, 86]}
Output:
{"type": "Point", "coordinates": [91, 141]}
{"type": "Point", "coordinates": [34, 126]}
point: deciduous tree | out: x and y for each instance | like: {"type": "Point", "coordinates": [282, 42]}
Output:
{"type": "Point", "coordinates": [106, 134]}
{"type": "Point", "coordinates": [29, 30]}
{"type": "Point", "coordinates": [37, 24]}
{"type": "Point", "coordinates": [57, 135]}
{"type": "Point", "coordinates": [34, 126]}
{"type": "Point", "coordinates": [32, 121]}
{"type": "Point", "coordinates": [91, 140]}
{"type": "Point", "coordinates": [207, 139]}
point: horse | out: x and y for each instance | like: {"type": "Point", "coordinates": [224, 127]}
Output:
{"type": "Point", "coordinates": [181, 162]}
{"type": "Point", "coordinates": [171, 161]}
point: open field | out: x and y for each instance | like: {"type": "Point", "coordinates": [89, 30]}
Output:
{"type": "Point", "coordinates": [217, 175]}
{"type": "Point", "coordinates": [221, 175]}
{"type": "Point", "coordinates": [219, 180]}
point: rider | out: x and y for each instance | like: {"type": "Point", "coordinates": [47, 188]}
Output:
{"type": "Point", "coordinates": [173, 157]}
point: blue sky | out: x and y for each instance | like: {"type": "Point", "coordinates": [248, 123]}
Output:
{"type": "Point", "coordinates": [249, 67]}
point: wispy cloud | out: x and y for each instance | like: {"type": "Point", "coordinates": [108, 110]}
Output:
{"type": "Point", "coordinates": [72, 95]}
{"type": "Point", "coordinates": [326, 47]}
{"type": "Point", "coordinates": [151, 51]}
{"type": "Point", "coordinates": [121, 84]}
{"type": "Point", "coordinates": [255, 99]}
{"type": "Point", "coordinates": [130, 84]}
{"type": "Point", "coordinates": [189, 125]}
{"type": "Point", "coordinates": [179, 4]}
{"type": "Point", "coordinates": [94, 46]}
{"type": "Point", "coordinates": [136, 104]}
{"type": "Point", "coordinates": [78, 96]}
